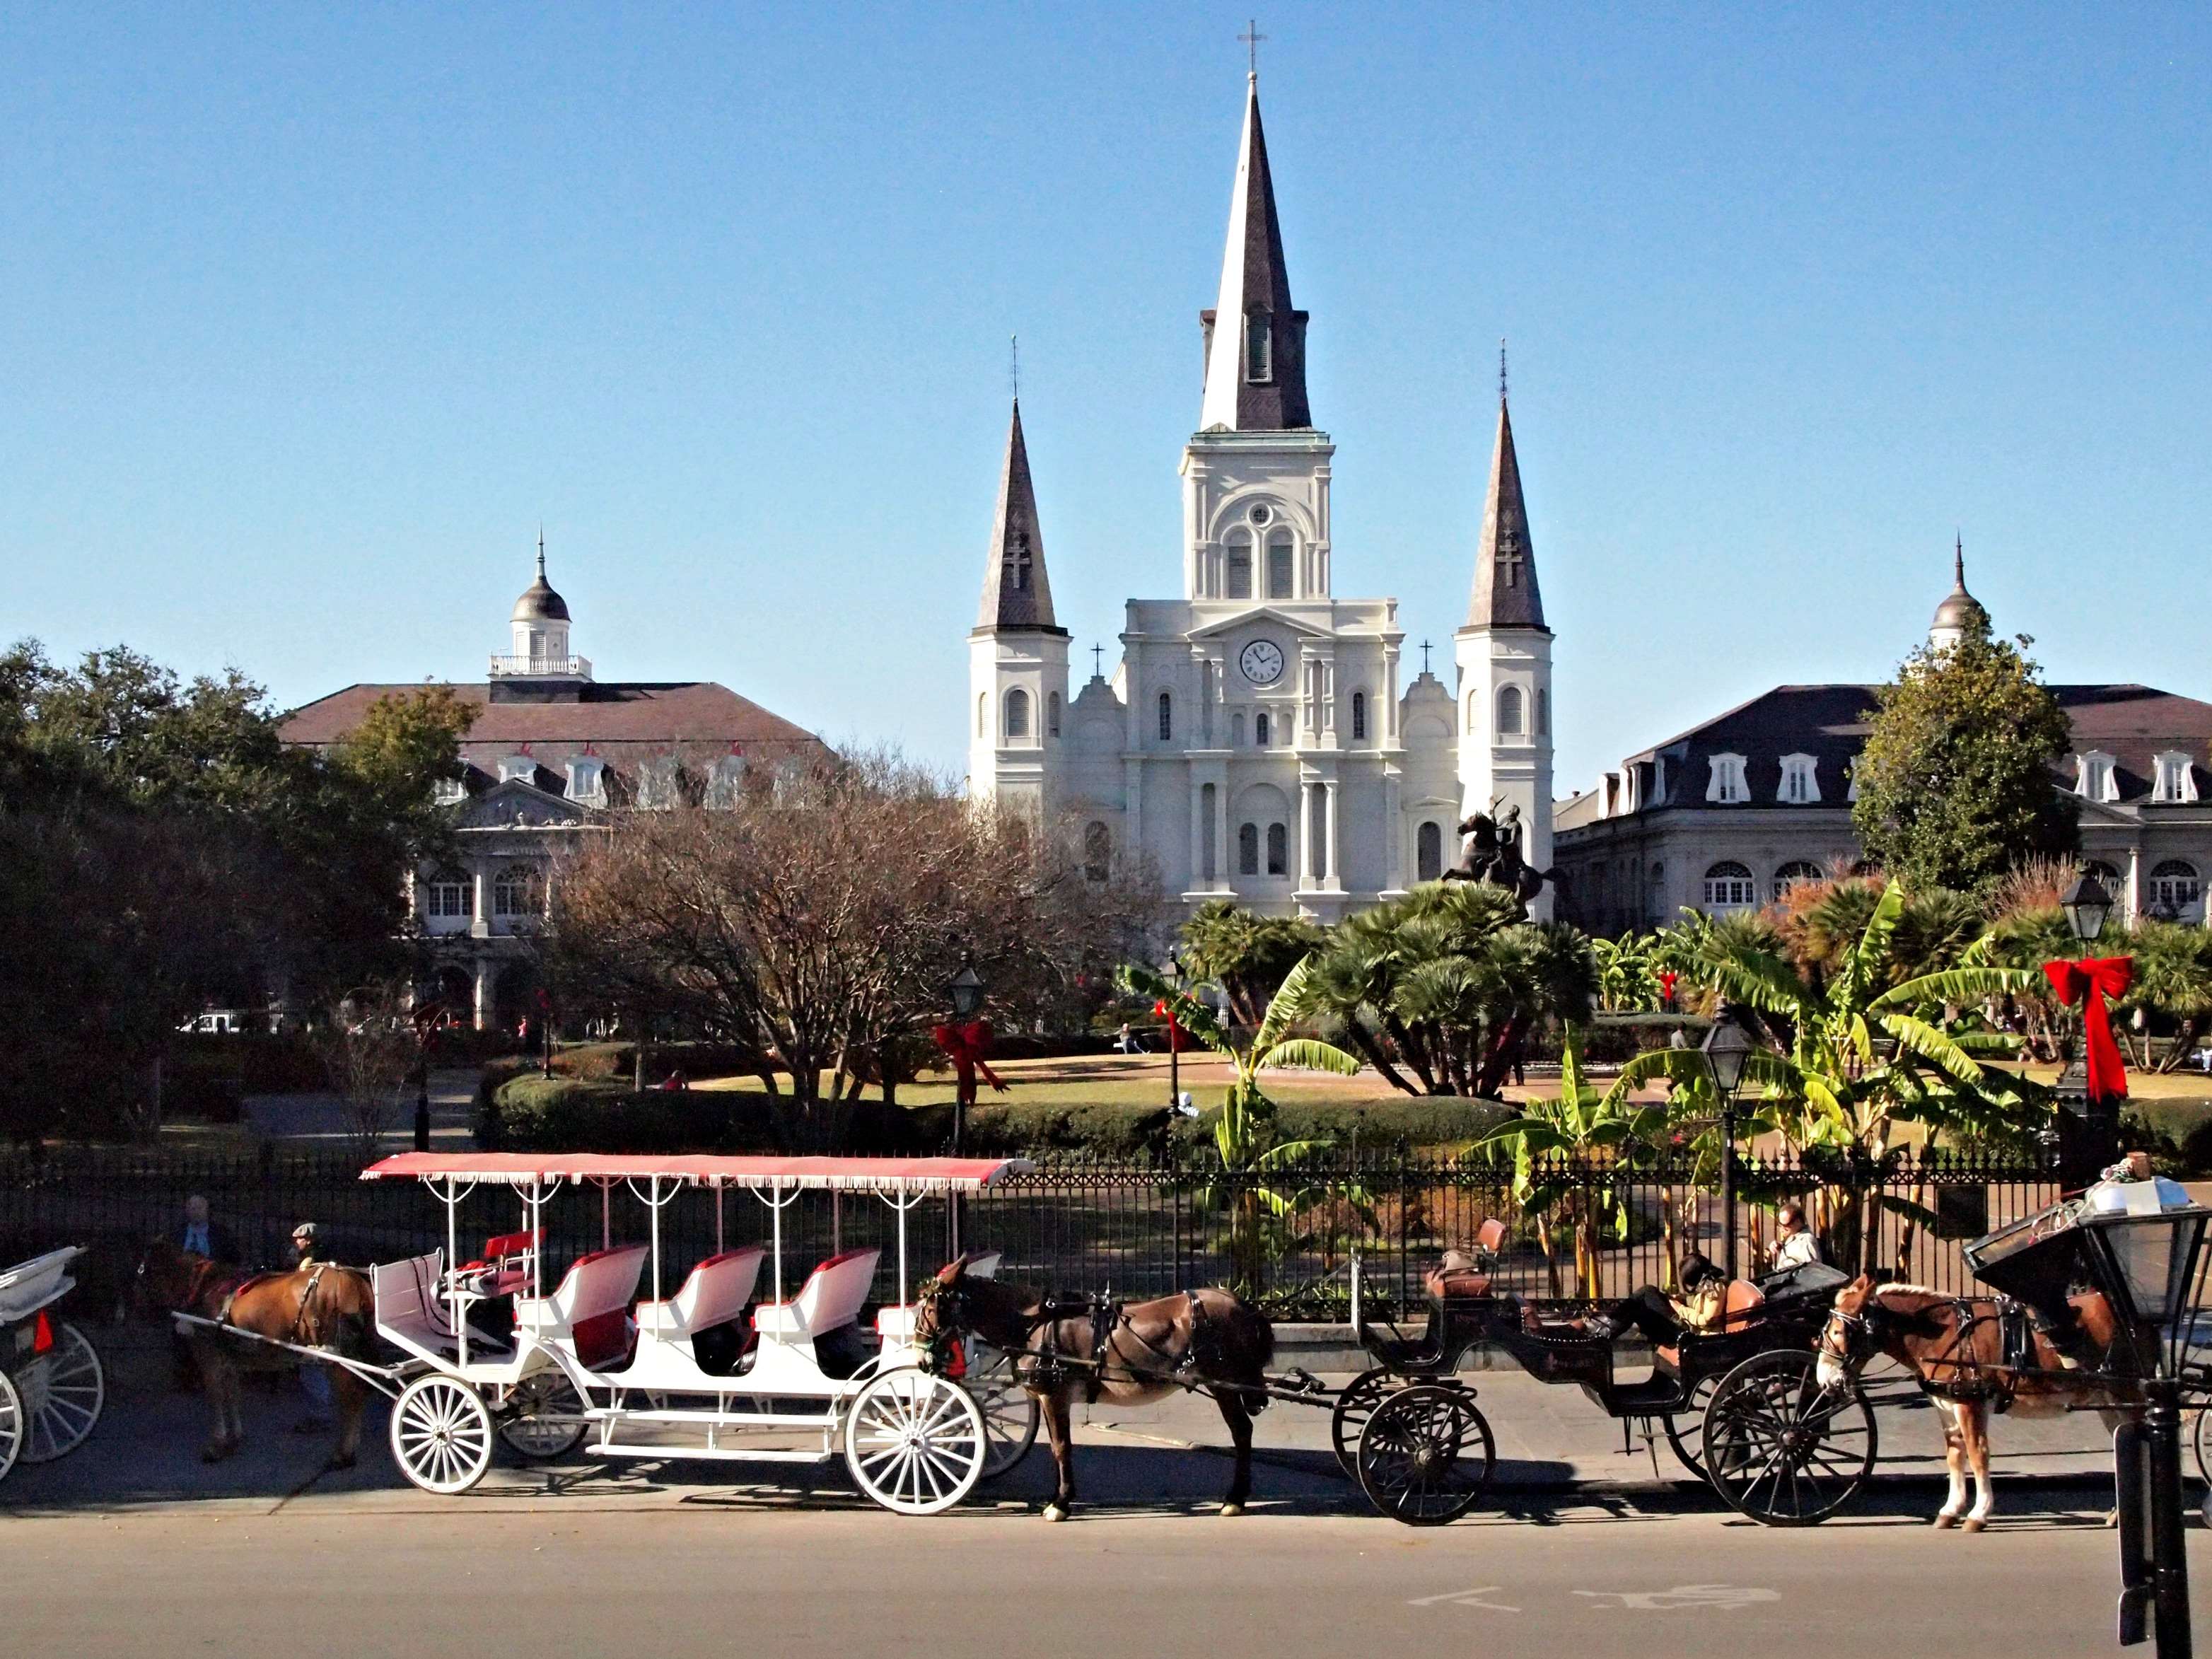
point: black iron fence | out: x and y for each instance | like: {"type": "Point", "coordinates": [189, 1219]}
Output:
{"type": "Point", "coordinates": [1591, 1229]}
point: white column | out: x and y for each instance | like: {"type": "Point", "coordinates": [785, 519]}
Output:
{"type": "Point", "coordinates": [1329, 874]}
{"type": "Point", "coordinates": [2134, 895]}
{"type": "Point", "coordinates": [1302, 829]}
{"type": "Point", "coordinates": [480, 902]}
{"type": "Point", "coordinates": [1394, 834]}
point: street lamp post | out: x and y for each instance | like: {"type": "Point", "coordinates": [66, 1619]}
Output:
{"type": "Point", "coordinates": [966, 990]}
{"type": "Point", "coordinates": [1173, 973]}
{"type": "Point", "coordinates": [2088, 1124]}
{"type": "Point", "coordinates": [1727, 1049]}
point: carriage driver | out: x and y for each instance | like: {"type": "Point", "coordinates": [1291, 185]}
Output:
{"type": "Point", "coordinates": [1793, 1244]}
{"type": "Point", "coordinates": [314, 1379]}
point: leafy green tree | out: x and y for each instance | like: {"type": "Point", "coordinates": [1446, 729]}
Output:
{"type": "Point", "coordinates": [1627, 974]}
{"type": "Point", "coordinates": [2173, 977]}
{"type": "Point", "coordinates": [1954, 781]}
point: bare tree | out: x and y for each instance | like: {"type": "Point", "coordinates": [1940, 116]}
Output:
{"type": "Point", "coordinates": [818, 920]}
{"type": "Point", "coordinates": [369, 1048]}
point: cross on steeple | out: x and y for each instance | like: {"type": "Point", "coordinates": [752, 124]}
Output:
{"type": "Point", "coordinates": [1250, 40]}
{"type": "Point", "coordinates": [1019, 562]}
{"type": "Point", "coordinates": [1509, 555]}
{"type": "Point", "coordinates": [1424, 656]}
{"type": "Point", "coordinates": [1097, 662]}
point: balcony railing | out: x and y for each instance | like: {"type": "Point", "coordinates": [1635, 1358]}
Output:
{"type": "Point", "coordinates": [541, 668]}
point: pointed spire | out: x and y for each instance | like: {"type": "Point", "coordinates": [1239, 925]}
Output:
{"type": "Point", "coordinates": [1015, 591]}
{"type": "Point", "coordinates": [1960, 612]}
{"type": "Point", "coordinates": [1255, 348]}
{"type": "Point", "coordinates": [1505, 591]}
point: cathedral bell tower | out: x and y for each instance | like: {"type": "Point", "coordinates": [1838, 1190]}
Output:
{"type": "Point", "coordinates": [1504, 658]}
{"type": "Point", "coordinates": [1017, 654]}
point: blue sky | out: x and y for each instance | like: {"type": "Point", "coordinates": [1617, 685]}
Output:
{"type": "Point", "coordinates": [311, 317]}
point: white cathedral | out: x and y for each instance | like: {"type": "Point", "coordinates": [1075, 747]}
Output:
{"type": "Point", "coordinates": [1254, 742]}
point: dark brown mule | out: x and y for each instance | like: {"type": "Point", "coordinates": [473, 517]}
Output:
{"type": "Point", "coordinates": [1956, 1347]}
{"type": "Point", "coordinates": [1208, 1338]}
{"type": "Point", "coordinates": [316, 1306]}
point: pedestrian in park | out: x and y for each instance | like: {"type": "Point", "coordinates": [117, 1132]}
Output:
{"type": "Point", "coordinates": [201, 1236]}
{"type": "Point", "coordinates": [314, 1380]}
{"type": "Point", "coordinates": [1795, 1246]}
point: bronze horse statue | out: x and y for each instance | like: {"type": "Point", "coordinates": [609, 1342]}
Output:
{"type": "Point", "coordinates": [1959, 1350]}
{"type": "Point", "coordinates": [1492, 855]}
{"type": "Point", "coordinates": [317, 1306]}
{"type": "Point", "coordinates": [1207, 1341]}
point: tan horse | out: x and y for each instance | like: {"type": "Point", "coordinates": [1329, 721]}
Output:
{"type": "Point", "coordinates": [1955, 1346]}
{"type": "Point", "coordinates": [1208, 1340]}
{"type": "Point", "coordinates": [316, 1306]}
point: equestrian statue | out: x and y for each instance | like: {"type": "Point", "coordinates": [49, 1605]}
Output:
{"type": "Point", "coordinates": [1491, 854]}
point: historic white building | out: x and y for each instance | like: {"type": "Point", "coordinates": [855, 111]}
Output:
{"type": "Point", "coordinates": [1253, 741]}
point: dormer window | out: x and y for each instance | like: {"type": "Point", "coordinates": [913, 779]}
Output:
{"type": "Point", "coordinates": [1258, 354]}
{"type": "Point", "coordinates": [2094, 779]}
{"type": "Point", "coordinates": [726, 783]}
{"type": "Point", "coordinates": [657, 788]}
{"type": "Point", "coordinates": [1800, 784]}
{"type": "Point", "coordinates": [517, 768]}
{"type": "Point", "coordinates": [2173, 777]}
{"type": "Point", "coordinates": [1726, 786]}
{"type": "Point", "coordinates": [450, 791]}
{"type": "Point", "coordinates": [587, 781]}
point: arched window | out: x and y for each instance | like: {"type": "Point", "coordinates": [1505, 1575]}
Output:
{"type": "Point", "coordinates": [1359, 717]}
{"type": "Point", "coordinates": [517, 892]}
{"type": "Point", "coordinates": [1258, 357]}
{"type": "Point", "coordinates": [1279, 565]}
{"type": "Point", "coordinates": [1279, 850]}
{"type": "Point", "coordinates": [1239, 584]}
{"type": "Point", "coordinates": [1017, 713]}
{"type": "Point", "coordinates": [1791, 873]}
{"type": "Point", "coordinates": [1262, 733]}
{"type": "Point", "coordinates": [1729, 886]}
{"type": "Point", "coordinates": [1543, 711]}
{"type": "Point", "coordinates": [1509, 711]}
{"type": "Point", "coordinates": [1474, 713]}
{"type": "Point", "coordinates": [2107, 878]}
{"type": "Point", "coordinates": [1097, 851]}
{"type": "Point", "coordinates": [1167, 718]}
{"type": "Point", "coordinates": [1052, 716]}
{"type": "Point", "coordinates": [1248, 849]}
{"type": "Point", "coordinates": [1429, 851]}
{"type": "Point", "coordinates": [449, 896]}
{"type": "Point", "coordinates": [2176, 893]}
{"type": "Point", "coordinates": [983, 714]}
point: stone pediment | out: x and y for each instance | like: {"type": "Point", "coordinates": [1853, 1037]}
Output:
{"type": "Point", "coordinates": [515, 804]}
{"type": "Point", "coordinates": [1260, 613]}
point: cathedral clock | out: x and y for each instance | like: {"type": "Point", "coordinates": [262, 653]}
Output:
{"type": "Point", "coordinates": [1262, 662]}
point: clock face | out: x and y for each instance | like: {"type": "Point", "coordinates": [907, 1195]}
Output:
{"type": "Point", "coordinates": [1262, 662]}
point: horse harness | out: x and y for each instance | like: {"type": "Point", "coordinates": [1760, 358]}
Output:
{"type": "Point", "coordinates": [1048, 1366]}
{"type": "Point", "coordinates": [2018, 1325]}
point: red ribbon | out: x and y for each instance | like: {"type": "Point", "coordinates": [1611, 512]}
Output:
{"type": "Point", "coordinates": [1667, 986]}
{"type": "Point", "coordinates": [966, 1047]}
{"type": "Point", "coordinates": [2088, 982]}
{"type": "Point", "coordinates": [1178, 1039]}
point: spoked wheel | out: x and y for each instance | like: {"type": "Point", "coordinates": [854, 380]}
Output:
{"type": "Point", "coordinates": [548, 1417]}
{"type": "Point", "coordinates": [63, 1392]}
{"type": "Point", "coordinates": [2203, 1435]}
{"type": "Point", "coordinates": [1686, 1429]}
{"type": "Point", "coordinates": [1353, 1407]}
{"type": "Point", "coordinates": [916, 1441]}
{"type": "Point", "coordinates": [1782, 1449]}
{"type": "Point", "coordinates": [441, 1434]}
{"type": "Point", "coordinates": [1426, 1455]}
{"type": "Point", "coordinates": [12, 1424]}
{"type": "Point", "coordinates": [1010, 1411]}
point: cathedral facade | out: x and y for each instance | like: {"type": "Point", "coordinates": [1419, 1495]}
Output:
{"type": "Point", "coordinates": [1254, 742]}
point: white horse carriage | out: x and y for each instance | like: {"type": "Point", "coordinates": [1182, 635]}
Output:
{"type": "Point", "coordinates": [699, 1369]}
{"type": "Point", "coordinates": [52, 1386]}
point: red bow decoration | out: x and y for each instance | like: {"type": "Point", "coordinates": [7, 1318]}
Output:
{"type": "Point", "coordinates": [1667, 986]}
{"type": "Point", "coordinates": [1178, 1039]}
{"type": "Point", "coordinates": [966, 1047]}
{"type": "Point", "coordinates": [2089, 982]}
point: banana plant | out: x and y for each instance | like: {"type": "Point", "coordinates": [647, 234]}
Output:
{"type": "Point", "coordinates": [1249, 1186]}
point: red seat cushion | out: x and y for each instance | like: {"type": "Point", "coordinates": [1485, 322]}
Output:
{"type": "Point", "coordinates": [603, 1340]}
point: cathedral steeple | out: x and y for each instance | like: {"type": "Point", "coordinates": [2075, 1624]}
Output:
{"type": "Point", "coordinates": [1016, 593]}
{"type": "Point", "coordinates": [1255, 343]}
{"type": "Point", "coordinates": [1506, 591]}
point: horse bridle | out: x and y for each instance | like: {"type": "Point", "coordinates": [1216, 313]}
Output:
{"type": "Point", "coordinates": [1860, 1336]}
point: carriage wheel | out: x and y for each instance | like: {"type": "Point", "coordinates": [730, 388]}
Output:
{"type": "Point", "coordinates": [11, 1424]}
{"type": "Point", "coordinates": [441, 1434]}
{"type": "Point", "coordinates": [548, 1417]}
{"type": "Point", "coordinates": [1426, 1455]}
{"type": "Point", "coordinates": [2203, 1472]}
{"type": "Point", "coordinates": [1353, 1407]}
{"type": "Point", "coordinates": [916, 1441]}
{"type": "Point", "coordinates": [1686, 1429]}
{"type": "Point", "coordinates": [63, 1391]}
{"type": "Point", "coordinates": [1010, 1411]}
{"type": "Point", "coordinates": [1782, 1449]}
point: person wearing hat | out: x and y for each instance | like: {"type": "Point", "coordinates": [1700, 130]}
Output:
{"type": "Point", "coordinates": [314, 1379]}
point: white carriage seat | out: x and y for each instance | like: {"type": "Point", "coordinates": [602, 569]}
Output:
{"type": "Point", "coordinates": [407, 1311]}
{"type": "Point", "coordinates": [715, 1292]}
{"type": "Point", "coordinates": [830, 1298]}
{"type": "Point", "coordinates": [30, 1285]}
{"type": "Point", "coordinates": [592, 1306]}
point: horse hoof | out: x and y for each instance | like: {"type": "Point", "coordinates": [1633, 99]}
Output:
{"type": "Point", "coordinates": [1945, 1522]}
{"type": "Point", "coordinates": [1053, 1512]}
{"type": "Point", "coordinates": [1233, 1509]}
{"type": "Point", "coordinates": [1974, 1523]}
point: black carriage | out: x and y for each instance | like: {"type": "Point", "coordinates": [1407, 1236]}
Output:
{"type": "Point", "coordinates": [1409, 1432]}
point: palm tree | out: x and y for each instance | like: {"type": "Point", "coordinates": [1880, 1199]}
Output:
{"type": "Point", "coordinates": [1243, 1134]}
{"type": "Point", "coordinates": [1627, 978]}
{"type": "Point", "coordinates": [1245, 954]}
{"type": "Point", "coordinates": [2174, 975]}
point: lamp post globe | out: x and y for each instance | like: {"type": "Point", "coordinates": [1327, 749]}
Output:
{"type": "Point", "coordinates": [966, 989]}
{"type": "Point", "coordinates": [2086, 905]}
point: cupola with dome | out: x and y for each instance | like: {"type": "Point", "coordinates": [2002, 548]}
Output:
{"type": "Point", "coordinates": [1961, 613]}
{"type": "Point", "coordinates": [539, 642]}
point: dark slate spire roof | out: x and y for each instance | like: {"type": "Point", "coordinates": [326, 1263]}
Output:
{"type": "Point", "coordinates": [1254, 280]}
{"type": "Point", "coordinates": [539, 603]}
{"type": "Point", "coordinates": [1015, 591]}
{"type": "Point", "coordinates": [1505, 591]}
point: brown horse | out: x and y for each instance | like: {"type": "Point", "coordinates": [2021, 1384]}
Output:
{"type": "Point", "coordinates": [316, 1306]}
{"type": "Point", "coordinates": [1205, 1339]}
{"type": "Point", "coordinates": [1956, 1347]}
